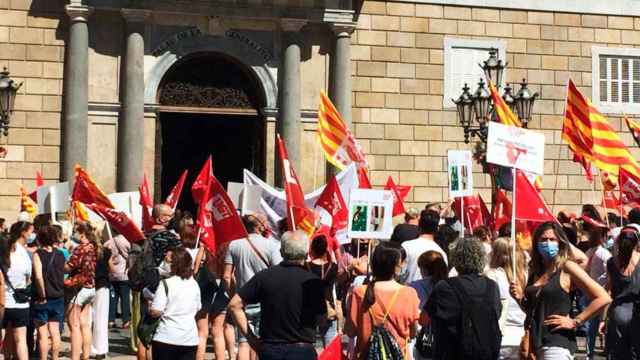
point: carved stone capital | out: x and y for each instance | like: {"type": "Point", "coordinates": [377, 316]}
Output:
{"type": "Point", "coordinates": [135, 15]}
{"type": "Point", "coordinates": [78, 13]}
{"type": "Point", "coordinates": [292, 25]}
{"type": "Point", "coordinates": [343, 29]}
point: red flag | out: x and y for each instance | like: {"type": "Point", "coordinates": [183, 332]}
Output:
{"type": "Point", "coordinates": [333, 202]}
{"type": "Point", "coordinates": [399, 192]}
{"type": "Point", "coordinates": [201, 183]}
{"type": "Point", "coordinates": [610, 201]}
{"type": "Point", "coordinates": [174, 195]}
{"type": "Point", "coordinates": [585, 164]}
{"type": "Point", "coordinates": [146, 203]}
{"type": "Point", "coordinates": [299, 217]}
{"type": "Point", "coordinates": [475, 212]}
{"type": "Point", "coordinates": [39, 182]}
{"type": "Point", "coordinates": [333, 351]}
{"type": "Point", "coordinates": [629, 186]}
{"type": "Point", "coordinates": [217, 218]}
{"type": "Point", "coordinates": [363, 179]}
{"type": "Point", "coordinates": [529, 203]}
{"type": "Point", "coordinates": [86, 191]}
{"type": "Point", "coordinates": [120, 221]}
{"type": "Point", "coordinates": [501, 209]}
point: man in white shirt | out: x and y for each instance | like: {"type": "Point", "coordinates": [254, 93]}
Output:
{"type": "Point", "coordinates": [429, 220]}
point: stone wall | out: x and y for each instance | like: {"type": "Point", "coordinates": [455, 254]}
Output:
{"type": "Point", "coordinates": [32, 50]}
{"type": "Point", "coordinates": [398, 64]}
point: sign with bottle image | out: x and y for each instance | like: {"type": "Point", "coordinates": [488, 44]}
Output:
{"type": "Point", "coordinates": [460, 173]}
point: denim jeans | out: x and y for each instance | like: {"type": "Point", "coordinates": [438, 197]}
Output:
{"type": "Point", "coordinates": [119, 290]}
{"type": "Point", "coordinates": [287, 352]}
{"type": "Point", "coordinates": [328, 332]}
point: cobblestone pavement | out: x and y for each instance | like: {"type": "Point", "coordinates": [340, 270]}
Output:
{"type": "Point", "coordinates": [119, 347]}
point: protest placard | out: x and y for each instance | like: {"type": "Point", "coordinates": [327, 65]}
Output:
{"type": "Point", "coordinates": [515, 147]}
{"type": "Point", "coordinates": [460, 173]}
{"type": "Point", "coordinates": [370, 214]}
{"type": "Point", "coordinates": [53, 198]}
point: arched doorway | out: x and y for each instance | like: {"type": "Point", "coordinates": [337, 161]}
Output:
{"type": "Point", "coordinates": [209, 105]}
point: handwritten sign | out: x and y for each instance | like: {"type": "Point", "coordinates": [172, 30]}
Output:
{"type": "Point", "coordinates": [515, 147]}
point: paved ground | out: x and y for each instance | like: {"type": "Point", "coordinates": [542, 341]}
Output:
{"type": "Point", "coordinates": [119, 347]}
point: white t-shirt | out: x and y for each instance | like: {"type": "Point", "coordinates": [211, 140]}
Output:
{"type": "Point", "coordinates": [597, 264]}
{"type": "Point", "coordinates": [414, 249]}
{"type": "Point", "coordinates": [514, 322]}
{"type": "Point", "coordinates": [19, 274]}
{"type": "Point", "coordinates": [178, 321]}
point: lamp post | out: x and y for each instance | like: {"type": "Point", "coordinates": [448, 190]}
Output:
{"type": "Point", "coordinates": [476, 109]}
{"type": "Point", "coordinates": [8, 91]}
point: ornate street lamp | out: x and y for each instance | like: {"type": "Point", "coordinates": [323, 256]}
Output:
{"type": "Point", "coordinates": [524, 103]}
{"type": "Point", "coordinates": [476, 109]}
{"type": "Point", "coordinates": [8, 90]}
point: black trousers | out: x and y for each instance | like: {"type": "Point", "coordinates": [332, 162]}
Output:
{"type": "Point", "coordinates": [163, 351]}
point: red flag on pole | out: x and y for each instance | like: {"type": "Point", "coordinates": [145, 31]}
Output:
{"type": "Point", "coordinates": [610, 201]}
{"type": "Point", "coordinates": [120, 221]}
{"type": "Point", "coordinates": [363, 179]}
{"type": "Point", "coordinates": [146, 203]}
{"type": "Point", "coordinates": [86, 191]}
{"type": "Point", "coordinates": [629, 186]}
{"type": "Point", "coordinates": [299, 217]}
{"type": "Point", "coordinates": [399, 192]}
{"type": "Point", "coordinates": [201, 183]}
{"type": "Point", "coordinates": [530, 205]}
{"type": "Point", "coordinates": [39, 182]}
{"type": "Point", "coordinates": [333, 351]}
{"type": "Point", "coordinates": [475, 212]}
{"type": "Point", "coordinates": [174, 195]}
{"type": "Point", "coordinates": [333, 202]}
{"type": "Point", "coordinates": [501, 209]}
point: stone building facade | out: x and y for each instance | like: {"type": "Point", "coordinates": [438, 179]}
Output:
{"type": "Point", "coordinates": [126, 88]}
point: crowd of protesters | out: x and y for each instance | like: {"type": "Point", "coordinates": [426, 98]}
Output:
{"type": "Point", "coordinates": [428, 293]}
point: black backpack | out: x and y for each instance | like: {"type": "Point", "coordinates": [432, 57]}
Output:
{"type": "Point", "coordinates": [382, 345]}
{"type": "Point", "coordinates": [478, 332]}
{"type": "Point", "coordinates": [144, 259]}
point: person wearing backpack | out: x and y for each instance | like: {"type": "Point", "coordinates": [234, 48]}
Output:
{"type": "Point", "coordinates": [383, 314]}
{"type": "Point", "coordinates": [550, 331]}
{"type": "Point", "coordinates": [465, 309]}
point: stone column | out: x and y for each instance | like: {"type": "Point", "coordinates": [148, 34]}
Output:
{"type": "Point", "coordinates": [288, 124]}
{"type": "Point", "coordinates": [340, 77]}
{"type": "Point", "coordinates": [131, 123]}
{"type": "Point", "coordinates": [75, 123]}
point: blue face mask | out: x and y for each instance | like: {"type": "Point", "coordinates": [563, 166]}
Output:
{"type": "Point", "coordinates": [548, 250]}
{"type": "Point", "coordinates": [31, 238]}
{"type": "Point", "coordinates": [609, 244]}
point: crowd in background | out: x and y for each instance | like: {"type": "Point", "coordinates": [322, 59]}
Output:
{"type": "Point", "coordinates": [428, 293]}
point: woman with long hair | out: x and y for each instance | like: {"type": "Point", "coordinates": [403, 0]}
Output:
{"type": "Point", "coordinates": [547, 300]}
{"type": "Point", "coordinates": [48, 309]}
{"type": "Point", "coordinates": [512, 317]}
{"type": "Point", "coordinates": [80, 287]}
{"type": "Point", "coordinates": [622, 341]}
{"type": "Point", "coordinates": [16, 268]}
{"type": "Point", "coordinates": [383, 298]}
{"type": "Point", "coordinates": [176, 303]}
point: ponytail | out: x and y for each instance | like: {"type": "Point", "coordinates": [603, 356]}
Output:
{"type": "Point", "coordinates": [369, 294]}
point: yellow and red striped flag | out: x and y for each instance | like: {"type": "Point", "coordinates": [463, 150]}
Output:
{"type": "Point", "coordinates": [589, 135]}
{"type": "Point", "coordinates": [338, 143]}
{"type": "Point", "coordinates": [634, 128]}
{"type": "Point", "coordinates": [503, 111]}
{"type": "Point", "coordinates": [85, 190]}
{"type": "Point", "coordinates": [26, 204]}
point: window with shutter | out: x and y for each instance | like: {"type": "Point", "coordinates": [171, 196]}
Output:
{"type": "Point", "coordinates": [616, 79]}
{"type": "Point", "coordinates": [461, 59]}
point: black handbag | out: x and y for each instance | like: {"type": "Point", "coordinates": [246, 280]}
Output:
{"type": "Point", "coordinates": [149, 325]}
{"type": "Point", "coordinates": [424, 342]}
{"type": "Point", "coordinates": [22, 295]}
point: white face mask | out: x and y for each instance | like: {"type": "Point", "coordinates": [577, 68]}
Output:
{"type": "Point", "coordinates": [164, 268]}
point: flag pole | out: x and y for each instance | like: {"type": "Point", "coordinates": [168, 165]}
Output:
{"type": "Point", "coordinates": [198, 237]}
{"type": "Point", "coordinates": [462, 216]}
{"type": "Point", "coordinates": [293, 220]}
{"type": "Point", "coordinates": [108, 229]}
{"type": "Point", "coordinates": [604, 202]}
{"type": "Point", "coordinates": [513, 223]}
{"type": "Point", "coordinates": [619, 199]}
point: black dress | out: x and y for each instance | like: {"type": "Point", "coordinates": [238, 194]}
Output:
{"type": "Point", "coordinates": [623, 317]}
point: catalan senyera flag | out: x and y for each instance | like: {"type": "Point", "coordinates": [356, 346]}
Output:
{"type": "Point", "coordinates": [26, 204]}
{"type": "Point", "coordinates": [299, 217]}
{"type": "Point", "coordinates": [588, 134]}
{"type": "Point", "coordinates": [79, 211]}
{"type": "Point", "coordinates": [503, 111]}
{"type": "Point", "coordinates": [634, 128]}
{"type": "Point", "coordinates": [85, 190]}
{"type": "Point", "coordinates": [338, 143]}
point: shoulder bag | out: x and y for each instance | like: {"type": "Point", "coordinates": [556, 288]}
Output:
{"type": "Point", "coordinates": [257, 252]}
{"type": "Point", "coordinates": [149, 325]}
{"type": "Point", "coordinates": [22, 295]}
{"type": "Point", "coordinates": [527, 344]}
